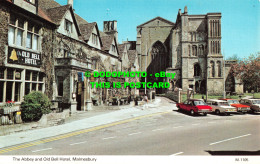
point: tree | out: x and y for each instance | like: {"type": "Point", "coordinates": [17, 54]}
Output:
{"type": "Point", "coordinates": [234, 57]}
{"type": "Point", "coordinates": [248, 70]}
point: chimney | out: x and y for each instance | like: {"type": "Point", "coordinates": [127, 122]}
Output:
{"type": "Point", "coordinates": [185, 10]}
{"type": "Point", "coordinates": [70, 2]}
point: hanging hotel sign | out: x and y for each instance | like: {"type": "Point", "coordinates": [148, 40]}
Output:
{"type": "Point", "coordinates": [18, 56]}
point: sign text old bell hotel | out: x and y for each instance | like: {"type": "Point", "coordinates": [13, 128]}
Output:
{"type": "Point", "coordinates": [19, 56]}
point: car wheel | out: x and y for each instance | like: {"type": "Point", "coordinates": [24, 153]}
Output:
{"type": "Point", "coordinates": [243, 112]}
{"type": "Point", "coordinates": [227, 114]}
{"type": "Point", "coordinates": [192, 112]}
{"type": "Point", "coordinates": [217, 112]}
{"type": "Point", "coordinates": [205, 114]}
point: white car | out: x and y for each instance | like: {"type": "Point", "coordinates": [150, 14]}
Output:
{"type": "Point", "coordinates": [221, 107]}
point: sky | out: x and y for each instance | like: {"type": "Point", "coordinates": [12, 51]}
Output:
{"type": "Point", "coordinates": [240, 18]}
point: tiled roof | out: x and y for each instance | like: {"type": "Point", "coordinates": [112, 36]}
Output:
{"type": "Point", "coordinates": [107, 42]}
{"type": "Point", "coordinates": [48, 4]}
{"type": "Point", "coordinates": [86, 30]}
{"type": "Point", "coordinates": [131, 56]}
{"type": "Point", "coordinates": [121, 48]}
{"type": "Point", "coordinates": [57, 13]}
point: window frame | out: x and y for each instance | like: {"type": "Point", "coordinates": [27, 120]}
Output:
{"type": "Point", "coordinates": [34, 31]}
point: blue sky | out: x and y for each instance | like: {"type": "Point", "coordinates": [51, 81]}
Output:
{"type": "Point", "coordinates": [240, 18]}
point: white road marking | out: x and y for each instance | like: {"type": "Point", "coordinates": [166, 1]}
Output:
{"type": "Point", "coordinates": [134, 133]}
{"type": "Point", "coordinates": [156, 130]}
{"type": "Point", "coordinates": [77, 143]}
{"type": "Point", "coordinates": [108, 138]}
{"type": "Point", "coordinates": [178, 127]}
{"type": "Point", "coordinates": [41, 150]}
{"type": "Point", "coordinates": [177, 154]}
{"type": "Point", "coordinates": [230, 139]}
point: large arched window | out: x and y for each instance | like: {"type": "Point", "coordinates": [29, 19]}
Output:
{"type": "Point", "coordinates": [197, 70]}
{"type": "Point", "coordinates": [158, 57]}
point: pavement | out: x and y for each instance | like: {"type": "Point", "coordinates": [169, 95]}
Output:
{"type": "Point", "coordinates": [79, 123]}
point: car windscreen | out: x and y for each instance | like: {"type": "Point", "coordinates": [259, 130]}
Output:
{"type": "Point", "coordinates": [233, 101]}
{"type": "Point", "coordinates": [256, 101]}
{"type": "Point", "coordinates": [223, 103]}
{"type": "Point", "coordinates": [199, 103]}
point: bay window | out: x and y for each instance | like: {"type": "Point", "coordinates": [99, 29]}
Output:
{"type": "Point", "coordinates": [15, 83]}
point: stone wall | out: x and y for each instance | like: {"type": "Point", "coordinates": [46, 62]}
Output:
{"type": "Point", "coordinates": [4, 19]}
{"type": "Point", "coordinates": [48, 50]}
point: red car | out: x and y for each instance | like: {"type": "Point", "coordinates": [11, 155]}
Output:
{"type": "Point", "coordinates": [195, 106]}
{"type": "Point", "coordinates": [240, 107]}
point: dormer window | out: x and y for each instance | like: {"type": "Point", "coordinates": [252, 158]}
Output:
{"type": "Point", "coordinates": [68, 26]}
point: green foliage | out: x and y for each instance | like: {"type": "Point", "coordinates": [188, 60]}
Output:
{"type": "Point", "coordinates": [34, 106]}
{"type": "Point", "coordinates": [248, 71]}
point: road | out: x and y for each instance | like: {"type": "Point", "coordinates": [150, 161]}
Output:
{"type": "Point", "coordinates": [171, 133]}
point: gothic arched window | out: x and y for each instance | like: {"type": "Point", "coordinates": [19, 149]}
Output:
{"type": "Point", "coordinates": [197, 70]}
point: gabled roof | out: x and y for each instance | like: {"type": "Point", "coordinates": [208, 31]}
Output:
{"type": "Point", "coordinates": [87, 29]}
{"type": "Point", "coordinates": [47, 4]}
{"type": "Point", "coordinates": [160, 18]}
{"type": "Point", "coordinates": [57, 13]}
{"type": "Point", "coordinates": [131, 56]}
{"type": "Point", "coordinates": [107, 42]}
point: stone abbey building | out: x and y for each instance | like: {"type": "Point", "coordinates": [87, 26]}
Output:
{"type": "Point", "coordinates": [190, 47]}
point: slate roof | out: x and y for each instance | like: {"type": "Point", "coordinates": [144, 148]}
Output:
{"type": "Point", "coordinates": [86, 30]}
{"type": "Point", "coordinates": [121, 48]}
{"type": "Point", "coordinates": [107, 42]}
{"type": "Point", "coordinates": [131, 56]}
{"type": "Point", "coordinates": [160, 18]}
{"type": "Point", "coordinates": [57, 13]}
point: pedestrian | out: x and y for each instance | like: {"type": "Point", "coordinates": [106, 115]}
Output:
{"type": "Point", "coordinates": [129, 99]}
{"type": "Point", "coordinates": [145, 99]}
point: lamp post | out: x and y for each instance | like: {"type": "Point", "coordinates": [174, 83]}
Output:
{"type": "Point", "coordinates": [224, 75]}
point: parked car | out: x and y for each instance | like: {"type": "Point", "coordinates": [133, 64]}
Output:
{"type": "Point", "coordinates": [240, 107]}
{"type": "Point", "coordinates": [221, 107]}
{"type": "Point", "coordinates": [195, 106]}
{"type": "Point", "coordinates": [253, 103]}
